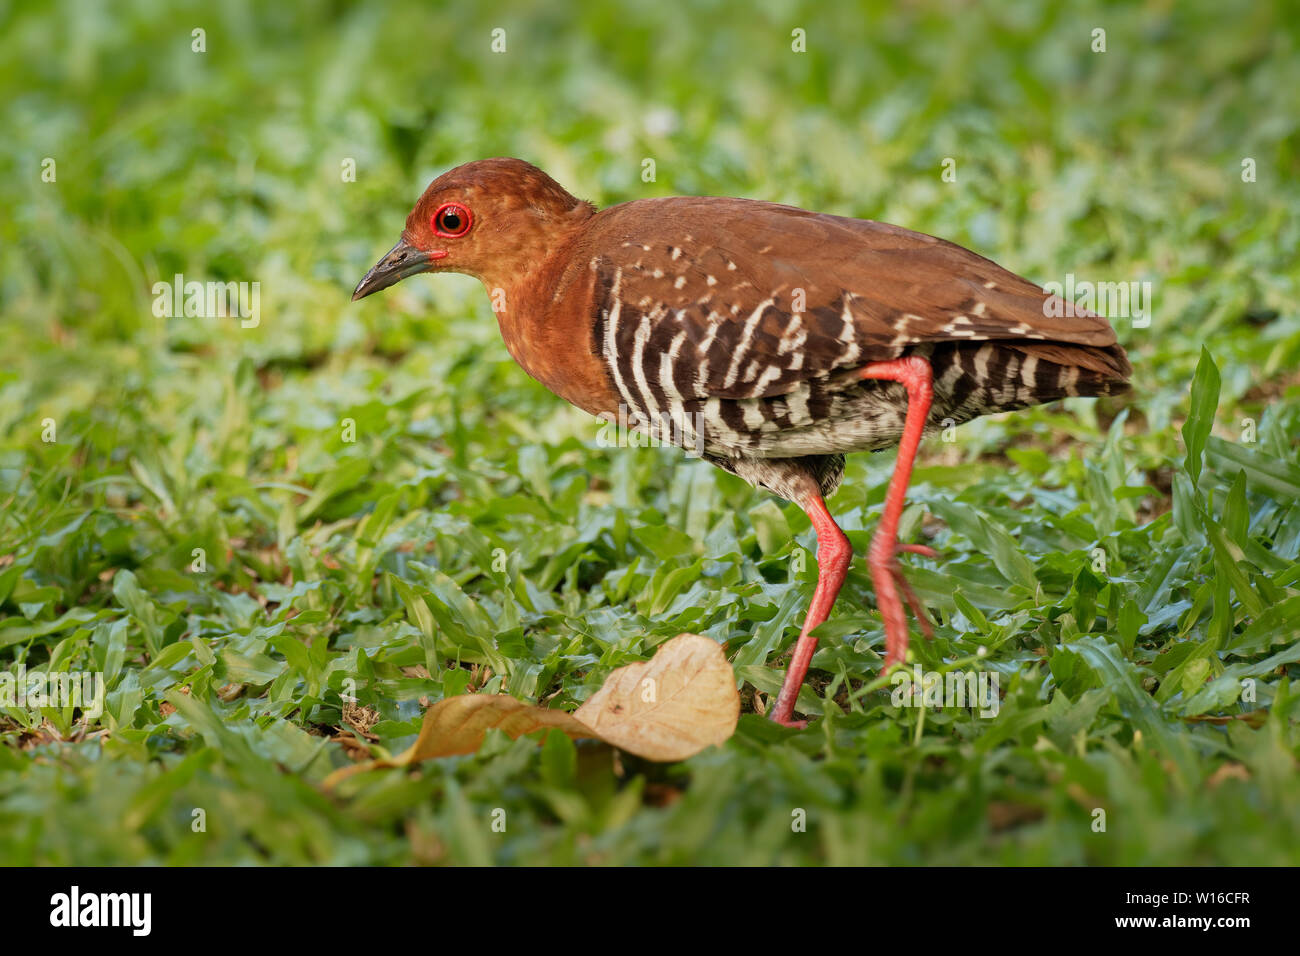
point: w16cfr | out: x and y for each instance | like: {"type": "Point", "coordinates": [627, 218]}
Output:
{"type": "Point", "coordinates": [1165, 899]}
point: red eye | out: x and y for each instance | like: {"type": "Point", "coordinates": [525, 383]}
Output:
{"type": "Point", "coordinates": [451, 220]}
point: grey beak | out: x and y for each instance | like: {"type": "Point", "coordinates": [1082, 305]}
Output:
{"type": "Point", "coordinates": [398, 263]}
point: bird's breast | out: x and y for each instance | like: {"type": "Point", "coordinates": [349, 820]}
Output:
{"type": "Point", "coordinates": [548, 330]}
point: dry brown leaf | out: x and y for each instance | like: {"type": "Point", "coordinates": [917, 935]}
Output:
{"type": "Point", "coordinates": [1228, 771]}
{"type": "Point", "coordinates": [669, 707]}
{"type": "Point", "coordinates": [457, 725]}
{"type": "Point", "coordinates": [1004, 815]}
{"type": "Point", "coordinates": [354, 747]}
{"type": "Point", "coordinates": [665, 709]}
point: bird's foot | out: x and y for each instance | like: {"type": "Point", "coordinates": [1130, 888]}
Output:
{"type": "Point", "coordinates": [887, 573]}
{"type": "Point", "coordinates": [918, 609]}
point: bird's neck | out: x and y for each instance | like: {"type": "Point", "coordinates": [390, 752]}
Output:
{"type": "Point", "coordinates": [546, 312]}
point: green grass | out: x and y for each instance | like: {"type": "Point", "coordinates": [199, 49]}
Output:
{"type": "Point", "coordinates": [1121, 591]}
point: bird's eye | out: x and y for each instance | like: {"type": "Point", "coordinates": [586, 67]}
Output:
{"type": "Point", "coordinates": [451, 219]}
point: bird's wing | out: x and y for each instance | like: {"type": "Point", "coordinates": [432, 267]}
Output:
{"type": "Point", "coordinates": [726, 298]}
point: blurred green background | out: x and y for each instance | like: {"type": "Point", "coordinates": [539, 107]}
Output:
{"type": "Point", "coordinates": [1123, 680]}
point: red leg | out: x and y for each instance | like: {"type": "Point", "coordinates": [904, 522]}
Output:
{"type": "Point", "coordinates": [915, 374]}
{"type": "Point", "coordinates": [834, 553]}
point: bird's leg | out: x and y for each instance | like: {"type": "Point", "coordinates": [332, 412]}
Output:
{"type": "Point", "coordinates": [915, 375]}
{"type": "Point", "coordinates": [834, 553]}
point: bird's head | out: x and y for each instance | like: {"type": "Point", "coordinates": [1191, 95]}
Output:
{"type": "Point", "coordinates": [495, 219]}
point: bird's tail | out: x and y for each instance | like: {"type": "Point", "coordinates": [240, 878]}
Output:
{"type": "Point", "coordinates": [1066, 370]}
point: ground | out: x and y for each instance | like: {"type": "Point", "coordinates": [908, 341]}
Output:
{"type": "Point", "coordinates": [238, 524]}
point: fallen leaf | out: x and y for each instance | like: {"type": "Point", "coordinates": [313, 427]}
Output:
{"type": "Point", "coordinates": [661, 794]}
{"type": "Point", "coordinates": [1228, 771]}
{"type": "Point", "coordinates": [1004, 815]}
{"type": "Point", "coordinates": [669, 707]}
{"type": "Point", "coordinates": [354, 747]}
{"type": "Point", "coordinates": [457, 725]}
{"type": "Point", "coordinates": [1253, 718]}
{"type": "Point", "coordinates": [666, 709]}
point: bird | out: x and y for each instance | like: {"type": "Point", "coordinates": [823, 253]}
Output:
{"type": "Point", "coordinates": [773, 339]}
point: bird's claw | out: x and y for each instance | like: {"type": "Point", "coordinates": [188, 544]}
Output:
{"type": "Point", "coordinates": [909, 595]}
{"type": "Point", "coordinates": [924, 550]}
{"type": "Point", "coordinates": [895, 570]}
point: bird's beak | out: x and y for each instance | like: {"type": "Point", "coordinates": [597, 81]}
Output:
{"type": "Point", "coordinates": [401, 261]}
